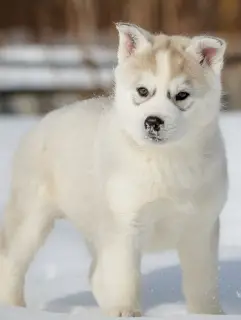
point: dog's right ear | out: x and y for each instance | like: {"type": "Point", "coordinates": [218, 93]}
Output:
{"type": "Point", "coordinates": [209, 51]}
{"type": "Point", "coordinates": [131, 40]}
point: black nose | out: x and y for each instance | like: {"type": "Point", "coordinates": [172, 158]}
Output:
{"type": "Point", "coordinates": [153, 123]}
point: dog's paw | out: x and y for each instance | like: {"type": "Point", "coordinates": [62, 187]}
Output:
{"type": "Point", "coordinates": [124, 313]}
{"type": "Point", "coordinates": [217, 310]}
{"type": "Point", "coordinates": [220, 312]}
{"type": "Point", "coordinates": [16, 300]}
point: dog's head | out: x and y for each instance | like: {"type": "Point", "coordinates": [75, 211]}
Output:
{"type": "Point", "coordinates": [166, 86]}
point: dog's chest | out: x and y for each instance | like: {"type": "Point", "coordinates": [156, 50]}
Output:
{"type": "Point", "coordinates": [171, 178]}
{"type": "Point", "coordinates": [172, 188]}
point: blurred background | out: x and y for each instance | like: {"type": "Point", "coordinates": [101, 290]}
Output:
{"type": "Point", "coordinates": [53, 52]}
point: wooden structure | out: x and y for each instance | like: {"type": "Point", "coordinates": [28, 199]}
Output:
{"type": "Point", "coordinates": [44, 19]}
{"type": "Point", "coordinates": [92, 22]}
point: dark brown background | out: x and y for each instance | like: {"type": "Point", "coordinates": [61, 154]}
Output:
{"type": "Point", "coordinates": [80, 17]}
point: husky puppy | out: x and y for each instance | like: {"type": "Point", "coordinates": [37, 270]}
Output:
{"type": "Point", "coordinates": [141, 171]}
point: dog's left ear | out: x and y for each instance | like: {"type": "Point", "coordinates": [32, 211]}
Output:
{"type": "Point", "coordinates": [209, 50]}
{"type": "Point", "coordinates": [132, 39]}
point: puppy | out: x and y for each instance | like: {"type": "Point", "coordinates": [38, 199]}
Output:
{"type": "Point", "coordinates": [142, 170]}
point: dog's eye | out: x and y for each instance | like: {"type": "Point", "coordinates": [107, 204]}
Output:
{"type": "Point", "coordinates": [182, 95]}
{"type": "Point", "coordinates": [143, 92]}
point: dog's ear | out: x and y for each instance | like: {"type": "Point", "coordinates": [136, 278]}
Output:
{"type": "Point", "coordinates": [209, 51]}
{"type": "Point", "coordinates": [131, 40]}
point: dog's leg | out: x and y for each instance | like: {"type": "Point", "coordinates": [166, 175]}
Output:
{"type": "Point", "coordinates": [115, 276]}
{"type": "Point", "coordinates": [198, 251]}
{"type": "Point", "coordinates": [21, 236]}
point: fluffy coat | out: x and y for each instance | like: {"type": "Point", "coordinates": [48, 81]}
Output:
{"type": "Point", "coordinates": [129, 187]}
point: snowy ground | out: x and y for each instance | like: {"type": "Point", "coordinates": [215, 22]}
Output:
{"type": "Point", "coordinates": [57, 280]}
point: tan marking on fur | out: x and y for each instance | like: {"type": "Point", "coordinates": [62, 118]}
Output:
{"type": "Point", "coordinates": [177, 63]}
{"type": "Point", "coordinates": [161, 42]}
{"type": "Point", "coordinates": [145, 60]}
{"type": "Point", "coordinates": [180, 42]}
{"type": "Point", "coordinates": [181, 63]}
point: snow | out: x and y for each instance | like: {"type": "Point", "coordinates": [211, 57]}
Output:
{"type": "Point", "coordinates": [57, 284]}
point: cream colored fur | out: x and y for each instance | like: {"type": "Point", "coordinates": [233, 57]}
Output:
{"type": "Point", "coordinates": [91, 163]}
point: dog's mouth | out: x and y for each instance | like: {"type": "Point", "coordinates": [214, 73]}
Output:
{"type": "Point", "coordinates": [154, 137]}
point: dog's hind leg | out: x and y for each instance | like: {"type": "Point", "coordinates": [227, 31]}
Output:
{"type": "Point", "coordinates": [21, 236]}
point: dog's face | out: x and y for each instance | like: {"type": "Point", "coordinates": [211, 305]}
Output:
{"type": "Point", "coordinates": [166, 87]}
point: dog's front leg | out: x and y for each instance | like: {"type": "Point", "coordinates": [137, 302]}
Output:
{"type": "Point", "coordinates": [198, 252]}
{"type": "Point", "coordinates": [115, 275]}
{"type": "Point", "coordinates": [116, 271]}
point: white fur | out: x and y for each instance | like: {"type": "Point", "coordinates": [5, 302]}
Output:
{"type": "Point", "coordinates": [90, 163]}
